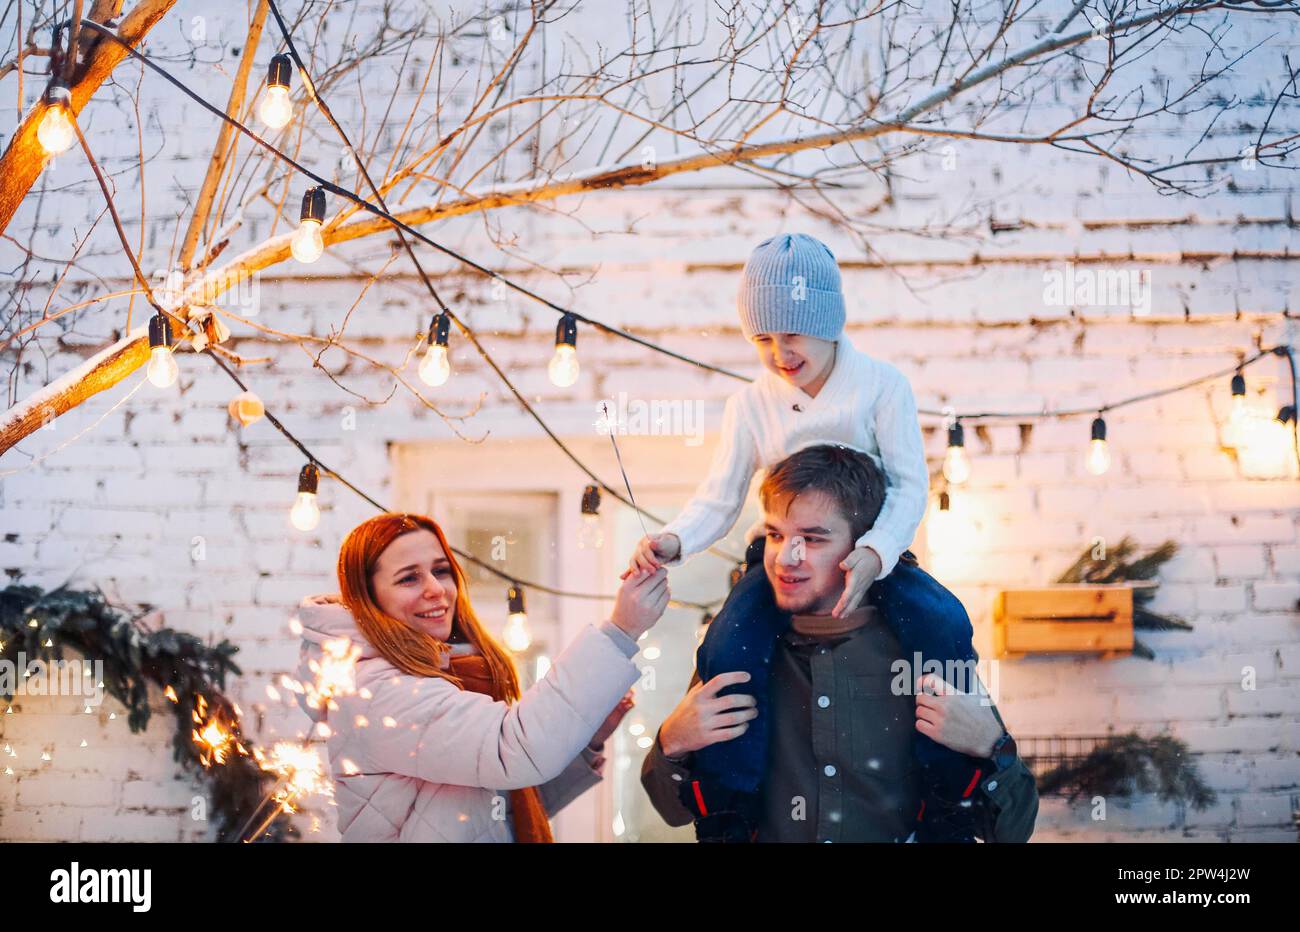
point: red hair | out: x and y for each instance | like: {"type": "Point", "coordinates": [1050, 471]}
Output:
{"type": "Point", "coordinates": [413, 652]}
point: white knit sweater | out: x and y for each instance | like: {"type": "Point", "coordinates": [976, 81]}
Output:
{"type": "Point", "coordinates": [865, 404]}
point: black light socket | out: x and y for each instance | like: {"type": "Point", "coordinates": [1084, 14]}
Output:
{"type": "Point", "coordinates": [1238, 384]}
{"type": "Point", "coordinates": [1098, 428]}
{"type": "Point", "coordinates": [313, 205]}
{"type": "Point", "coordinates": [590, 500]}
{"type": "Point", "coordinates": [308, 478]}
{"type": "Point", "coordinates": [279, 71]}
{"type": "Point", "coordinates": [439, 329]}
{"type": "Point", "coordinates": [515, 600]}
{"type": "Point", "coordinates": [956, 435]}
{"type": "Point", "coordinates": [566, 331]}
{"type": "Point", "coordinates": [160, 331]}
{"type": "Point", "coordinates": [58, 93]}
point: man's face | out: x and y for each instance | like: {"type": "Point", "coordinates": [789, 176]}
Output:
{"type": "Point", "coordinates": [807, 537]}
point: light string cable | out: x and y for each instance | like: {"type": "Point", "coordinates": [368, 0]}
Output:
{"type": "Point", "coordinates": [404, 228]}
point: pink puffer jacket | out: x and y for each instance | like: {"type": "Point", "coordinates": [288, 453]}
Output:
{"type": "Point", "coordinates": [417, 759]}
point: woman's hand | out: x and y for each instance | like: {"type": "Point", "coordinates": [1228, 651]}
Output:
{"type": "Point", "coordinates": [611, 723]}
{"type": "Point", "coordinates": [640, 602]}
{"type": "Point", "coordinates": [862, 567]}
{"type": "Point", "coordinates": [651, 552]}
{"type": "Point", "coordinates": [703, 717]}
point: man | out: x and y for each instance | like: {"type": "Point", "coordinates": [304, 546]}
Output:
{"type": "Point", "coordinates": [840, 760]}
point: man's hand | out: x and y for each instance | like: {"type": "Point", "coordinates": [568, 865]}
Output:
{"type": "Point", "coordinates": [651, 552]}
{"type": "Point", "coordinates": [611, 723]}
{"type": "Point", "coordinates": [862, 566]}
{"type": "Point", "coordinates": [703, 717]}
{"type": "Point", "coordinates": [957, 720]}
{"type": "Point", "coordinates": [640, 602]}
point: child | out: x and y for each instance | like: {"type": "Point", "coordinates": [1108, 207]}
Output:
{"type": "Point", "coordinates": [817, 388]}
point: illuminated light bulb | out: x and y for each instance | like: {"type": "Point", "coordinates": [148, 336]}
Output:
{"type": "Point", "coordinates": [307, 243]}
{"type": "Point", "coordinates": [56, 132]}
{"type": "Point", "coordinates": [276, 110]}
{"type": "Point", "coordinates": [1098, 454]}
{"type": "Point", "coordinates": [516, 633]}
{"type": "Point", "coordinates": [162, 367]}
{"type": "Point", "coordinates": [435, 369]}
{"type": "Point", "coordinates": [590, 534]}
{"type": "Point", "coordinates": [956, 467]}
{"type": "Point", "coordinates": [1267, 450]}
{"type": "Point", "coordinates": [563, 368]}
{"type": "Point", "coordinates": [305, 514]}
{"type": "Point", "coordinates": [1234, 430]}
{"type": "Point", "coordinates": [246, 408]}
{"type": "Point", "coordinates": [940, 524]}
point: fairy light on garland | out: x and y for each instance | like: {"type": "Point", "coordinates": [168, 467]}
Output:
{"type": "Point", "coordinates": [305, 513]}
{"type": "Point", "coordinates": [307, 244]}
{"type": "Point", "coordinates": [1237, 415]}
{"type": "Point", "coordinates": [55, 132]}
{"type": "Point", "coordinates": [163, 370]}
{"type": "Point", "coordinates": [276, 109]}
{"type": "Point", "coordinates": [563, 368]}
{"type": "Point", "coordinates": [516, 634]}
{"type": "Point", "coordinates": [435, 368]}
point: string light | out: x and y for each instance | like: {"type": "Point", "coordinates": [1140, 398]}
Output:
{"type": "Point", "coordinates": [246, 408]}
{"type": "Point", "coordinates": [55, 132]}
{"type": "Point", "coordinates": [307, 244]}
{"type": "Point", "coordinates": [276, 109]}
{"type": "Point", "coordinates": [1233, 431]}
{"type": "Point", "coordinates": [163, 370]}
{"type": "Point", "coordinates": [956, 467]}
{"type": "Point", "coordinates": [305, 514]}
{"type": "Point", "coordinates": [516, 633]}
{"type": "Point", "coordinates": [939, 525]}
{"type": "Point", "coordinates": [435, 369]}
{"type": "Point", "coordinates": [1098, 460]}
{"type": "Point", "coordinates": [590, 535]}
{"type": "Point", "coordinates": [563, 368]}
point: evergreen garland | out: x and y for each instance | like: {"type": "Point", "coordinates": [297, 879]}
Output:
{"type": "Point", "coordinates": [1128, 764]}
{"type": "Point", "coordinates": [1116, 566]}
{"type": "Point", "coordinates": [135, 656]}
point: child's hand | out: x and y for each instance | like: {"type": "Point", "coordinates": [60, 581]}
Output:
{"type": "Point", "coordinates": [650, 553]}
{"type": "Point", "coordinates": [862, 566]}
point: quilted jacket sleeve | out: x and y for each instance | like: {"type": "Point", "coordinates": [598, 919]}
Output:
{"type": "Point", "coordinates": [442, 734]}
{"type": "Point", "coordinates": [581, 775]}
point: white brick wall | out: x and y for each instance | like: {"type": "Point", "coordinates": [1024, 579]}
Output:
{"type": "Point", "coordinates": [121, 507]}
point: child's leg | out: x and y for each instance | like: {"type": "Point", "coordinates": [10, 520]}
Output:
{"type": "Point", "coordinates": [742, 637]}
{"type": "Point", "coordinates": [931, 624]}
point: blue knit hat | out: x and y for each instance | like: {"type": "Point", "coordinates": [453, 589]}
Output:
{"type": "Point", "coordinates": [791, 284]}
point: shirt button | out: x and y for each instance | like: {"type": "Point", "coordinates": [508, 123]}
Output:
{"type": "Point", "coordinates": [829, 770]}
{"type": "Point", "coordinates": [823, 701]}
{"type": "Point", "coordinates": [826, 841]}
{"type": "Point", "coordinates": [677, 777]}
{"type": "Point", "coordinates": [993, 785]}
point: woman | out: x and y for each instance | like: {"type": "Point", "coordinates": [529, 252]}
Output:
{"type": "Point", "coordinates": [434, 742]}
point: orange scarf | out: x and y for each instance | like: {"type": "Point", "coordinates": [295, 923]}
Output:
{"type": "Point", "coordinates": [528, 815]}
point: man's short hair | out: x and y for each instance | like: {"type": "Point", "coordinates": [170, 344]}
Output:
{"type": "Point", "coordinates": [851, 479]}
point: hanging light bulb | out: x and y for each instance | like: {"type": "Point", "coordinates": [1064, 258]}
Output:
{"type": "Point", "coordinates": [939, 524]}
{"type": "Point", "coordinates": [516, 633]}
{"type": "Point", "coordinates": [55, 132]}
{"type": "Point", "coordinates": [276, 109]}
{"type": "Point", "coordinates": [162, 366]}
{"type": "Point", "coordinates": [246, 408]}
{"type": "Point", "coordinates": [563, 369]}
{"type": "Point", "coordinates": [305, 514]}
{"type": "Point", "coordinates": [1234, 430]}
{"type": "Point", "coordinates": [590, 535]}
{"type": "Point", "coordinates": [434, 368]}
{"type": "Point", "coordinates": [1098, 454]}
{"type": "Point", "coordinates": [956, 467]}
{"type": "Point", "coordinates": [307, 243]}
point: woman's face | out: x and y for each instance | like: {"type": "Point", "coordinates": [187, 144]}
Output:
{"type": "Point", "coordinates": [800, 360]}
{"type": "Point", "coordinates": [413, 583]}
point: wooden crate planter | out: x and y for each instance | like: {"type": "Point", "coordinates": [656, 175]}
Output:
{"type": "Point", "coordinates": [1064, 619]}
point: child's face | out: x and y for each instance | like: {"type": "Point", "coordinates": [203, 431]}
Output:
{"type": "Point", "coordinates": [798, 359]}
